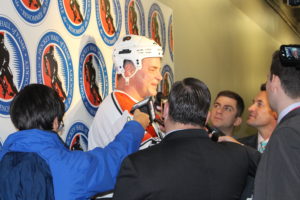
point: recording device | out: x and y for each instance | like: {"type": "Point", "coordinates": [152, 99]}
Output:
{"type": "Point", "coordinates": [145, 106]}
{"type": "Point", "coordinates": [215, 133]}
{"type": "Point", "coordinates": [290, 55]}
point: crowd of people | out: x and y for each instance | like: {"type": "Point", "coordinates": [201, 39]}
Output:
{"type": "Point", "coordinates": [131, 158]}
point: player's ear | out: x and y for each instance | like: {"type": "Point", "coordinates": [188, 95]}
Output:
{"type": "Point", "coordinates": [129, 69]}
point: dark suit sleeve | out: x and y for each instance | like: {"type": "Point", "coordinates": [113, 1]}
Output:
{"type": "Point", "coordinates": [129, 184]}
{"type": "Point", "coordinates": [254, 157]}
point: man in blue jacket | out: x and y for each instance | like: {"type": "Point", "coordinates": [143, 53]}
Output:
{"type": "Point", "coordinates": [37, 112]}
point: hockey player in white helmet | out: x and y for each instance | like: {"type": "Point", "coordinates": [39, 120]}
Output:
{"type": "Point", "coordinates": [137, 61]}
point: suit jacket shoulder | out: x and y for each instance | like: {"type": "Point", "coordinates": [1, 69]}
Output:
{"type": "Point", "coordinates": [249, 140]}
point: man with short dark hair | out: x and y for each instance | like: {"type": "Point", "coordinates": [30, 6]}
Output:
{"type": "Point", "coordinates": [278, 174]}
{"type": "Point", "coordinates": [37, 112]}
{"type": "Point", "coordinates": [186, 164]}
{"type": "Point", "coordinates": [226, 112]}
{"type": "Point", "coordinates": [263, 118]}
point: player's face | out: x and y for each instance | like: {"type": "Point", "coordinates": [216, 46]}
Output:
{"type": "Point", "coordinates": [147, 79]}
{"type": "Point", "coordinates": [260, 113]}
{"type": "Point", "coordinates": [223, 112]}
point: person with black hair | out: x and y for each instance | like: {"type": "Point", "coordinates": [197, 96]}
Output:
{"type": "Point", "coordinates": [278, 174]}
{"type": "Point", "coordinates": [227, 111]}
{"type": "Point", "coordinates": [186, 164]}
{"type": "Point", "coordinates": [37, 112]}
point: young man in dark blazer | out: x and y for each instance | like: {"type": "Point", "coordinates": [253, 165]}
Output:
{"type": "Point", "coordinates": [187, 164]}
{"type": "Point", "coordinates": [278, 174]}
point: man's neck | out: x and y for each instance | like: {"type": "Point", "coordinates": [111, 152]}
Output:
{"type": "Point", "coordinates": [130, 91]}
{"type": "Point", "coordinates": [172, 126]}
{"type": "Point", "coordinates": [227, 131]}
{"type": "Point", "coordinates": [266, 131]}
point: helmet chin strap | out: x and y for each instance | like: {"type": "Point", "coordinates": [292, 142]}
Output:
{"type": "Point", "coordinates": [129, 77]}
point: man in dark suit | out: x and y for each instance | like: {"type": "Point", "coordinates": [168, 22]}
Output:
{"type": "Point", "coordinates": [278, 174]}
{"type": "Point", "coordinates": [187, 164]}
{"type": "Point", "coordinates": [263, 118]}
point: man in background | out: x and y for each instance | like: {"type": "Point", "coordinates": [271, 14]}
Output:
{"type": "Point", "coordinates": [226, 112]}
{"type": "Point", "coordinates": [263, 118]}
{"type": "Point", "coordinates": [186, 164]}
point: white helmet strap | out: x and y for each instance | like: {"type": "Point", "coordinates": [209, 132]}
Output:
{"type": "Point", "coordinates": [127, 78]}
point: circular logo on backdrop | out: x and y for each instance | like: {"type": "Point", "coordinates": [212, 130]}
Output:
{"type": "Point", "coordinates": [156, 25]}
{"type": "Point", "coordinates": [171, 38]}
{"type": "Point", "coordinates": [75, 15]}
{"type": "Point", "coordinates": [109, 20]}
{"type": "Point", "coordinates": [93, 79]}
{"type": "Point", "coordinates": [54, 66]}
{"type": "Point", "coordinates": [14, 64]}
{"type": "Point", "coordinates": [134, 17]}
{"type": "Point", "coordinates": [167, 80]}
{"type": "Point", "coordinates": [77, 137]}
{"type": "Point", "coordinates": [32, 11]}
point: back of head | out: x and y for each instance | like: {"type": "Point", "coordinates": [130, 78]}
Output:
{"type": "Point", "coordinates": [25, 175]}
{"type": "Point", "coordinates": [35, 107]}
{"type": "Point", "coordinates": [239, 100]}
{"type": "Point", "coordinates": [189, 102]}
{"type": "Point", "coordinates": [134, 48]}
{"type": "Point", "coordinates": [289, 76]}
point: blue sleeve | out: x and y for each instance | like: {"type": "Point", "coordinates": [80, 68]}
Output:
{"type": "Point", "coordinates": [102, 175]}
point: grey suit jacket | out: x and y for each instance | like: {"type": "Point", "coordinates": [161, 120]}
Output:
{"type": "Point", "coordinates": [278, 175]}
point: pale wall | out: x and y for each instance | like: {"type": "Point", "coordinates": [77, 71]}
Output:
{"type": "Point", "coordinates": [227, 43]}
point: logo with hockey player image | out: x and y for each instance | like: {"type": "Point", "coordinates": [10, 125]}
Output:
{"type": "Point", "coordinates": [14, 64]}
{"type": "Point", "coordinates": [75, 15]}
{"type": "Point", "coordinates": [171, 38]}
{"type": "Point", "coordinates": [156, 25]}
{"type": "Point", "coordinates": [54, 66]}
{"type": "Point", "coordinates": [32, 11]}
{"type": "Point", "coordinates": [77, 137]}
{"type": "Point", "coordinates": [93, 79]}
{"type": "Point", "coordinates": [134, 17]}
{"type": "Point", "coordinates": [167, 81]}
{"type": "Point", "coordinates": [109, 20]}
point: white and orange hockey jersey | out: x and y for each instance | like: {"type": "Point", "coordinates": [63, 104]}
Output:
{"type": "Point", "coordinates": [110, 118]}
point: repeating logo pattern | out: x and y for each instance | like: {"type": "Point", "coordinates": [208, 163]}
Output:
{"type": "Point", "coordinates": [167, 81]}
{"type": "Point", "coordinates": [14, 64]}
{"type": "Point", "coordinates": [54, 66]}
{"type": "Point", "coordinates": [32, 11]}
{"type": "Point", "coordinates": [156, 25]}
{"type": "Point", "coordinates": [109, 20]}
{"type": "Point", "coordinates": [77, 137]}
{"type": "Point", "coordinates": [75, 15]}
{"type": "Point", "coordinates": [93, 79]}
{"type": "Point", "coordinates": [134, 17]}
{"type": "Point", "coordinates": [170, 37]}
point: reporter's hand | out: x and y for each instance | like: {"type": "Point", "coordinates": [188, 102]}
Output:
{"type": "Point", "coordinates": [228, 139]}
{"type": "Point", "coordinates": [141, 117]}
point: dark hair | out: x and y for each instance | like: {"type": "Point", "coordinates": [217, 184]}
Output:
{"type": "Point", "coordinates": [263, 87]}
{"type": "Point", "coordinates": [36, 106]}
{"type": "Point", "coordinates": [239, 100]}
{"type": "Point", "coordinates": [289, 76]}
{"type": "Point", "coordinates": [189, 102]}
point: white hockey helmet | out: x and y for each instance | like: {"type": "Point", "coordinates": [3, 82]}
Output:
{"type": "Point", "coordinates": [134, 48]}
